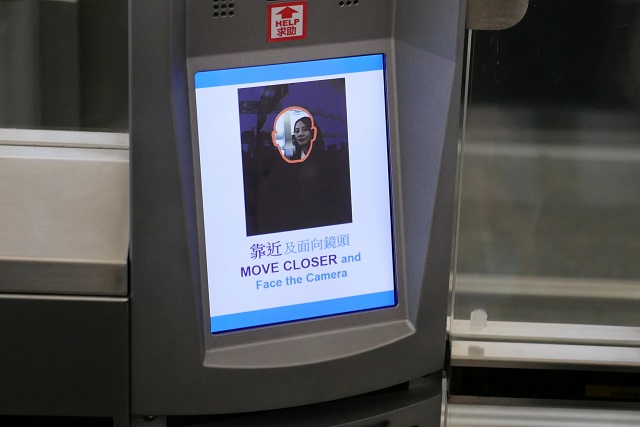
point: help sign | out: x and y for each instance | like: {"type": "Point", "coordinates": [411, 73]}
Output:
{"type": "Point", "coordinates": [287, 21]}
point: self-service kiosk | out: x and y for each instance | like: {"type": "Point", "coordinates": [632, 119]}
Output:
{"type": "Point", "coordinates": [292, 168]}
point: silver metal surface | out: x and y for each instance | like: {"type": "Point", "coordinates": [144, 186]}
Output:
{"type": "Point", "coordinates": [444, 407]}
{"type": "Point", "coordinates": [64, 212]}
{"type": "Point", "coordinates": [602, 335]}
{"type": "Point", "coordinates": [64, 139]}
{"type": "Point", "coordinates": [514, 416]}
{"type": "Point", "coordinates": [494, 14]}
{"type": "Point", "coordinates": [523, 355]}
{"type": "Point", "coordinates": [554, 287]}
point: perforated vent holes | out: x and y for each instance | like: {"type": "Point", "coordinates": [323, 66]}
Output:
{"type": "Point", "coordinates": [348, 3]}
{"type": "Point", "coordinates": [223, 8]}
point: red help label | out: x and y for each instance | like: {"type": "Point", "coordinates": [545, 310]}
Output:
{"type": "Point", "coordinates": [287, 21]}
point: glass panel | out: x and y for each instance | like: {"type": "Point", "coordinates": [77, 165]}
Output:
{"type": "Point", "coordinates": [63, 64]}
{"type": "Point", "coordinates": [549, 227]}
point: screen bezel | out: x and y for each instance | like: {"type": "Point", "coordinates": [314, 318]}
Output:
{"type": "Point", "coordinates": [325, 324]}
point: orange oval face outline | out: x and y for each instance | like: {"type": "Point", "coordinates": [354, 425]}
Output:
{"type": "Point", "coordinates": [314, 133]}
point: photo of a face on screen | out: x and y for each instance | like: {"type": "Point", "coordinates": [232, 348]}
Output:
{"type": "Point", "coordinates": [294, 143]}
{"type": "Point", "coordinates": [295, 159]}
{"type": "Point", "coordinates": [296, 198]}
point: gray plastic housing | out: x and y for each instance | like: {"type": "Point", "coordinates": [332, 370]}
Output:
{"type": "Point", "coordinates": [178, 366]}
{"type": "Point", "coordinates": [419, 404]}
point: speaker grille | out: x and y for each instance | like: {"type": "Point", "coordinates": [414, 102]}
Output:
{"type": "Point", "coordinates": [348, 3]}
{"type": "Point", "coordinates": [223, 8]}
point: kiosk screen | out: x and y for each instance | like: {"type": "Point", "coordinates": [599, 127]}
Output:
{"type": "Point", "coordinates": [294, 164]}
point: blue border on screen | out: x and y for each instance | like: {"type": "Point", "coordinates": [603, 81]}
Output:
{"type": "Point", "coordinates": [308, 310]}
{"type": "Point", "coordinates": [293, 70]}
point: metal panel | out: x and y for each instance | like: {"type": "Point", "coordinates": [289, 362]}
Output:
{"type": "Point", "coordinates": [19, 76]}
{"type": "Point", "coordinates": [506, 354]}
{"type": "Point", "coordinates": [495, 14]}
{"type": "Point", "coordinates": [556, 333]}
{"type": "Point", "coordinates": [64, 356]}
{"type": "Point", "coordinates": [536, 415]}
{"type": "Point", "coordinates": [60, 64]}
{"type": "Point", "coordinates": [64, 215]}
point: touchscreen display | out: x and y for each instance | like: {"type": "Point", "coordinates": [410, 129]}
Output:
{"type": "Point", "coordinates": [296, 191]}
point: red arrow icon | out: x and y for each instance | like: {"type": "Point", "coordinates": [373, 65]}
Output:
{"type": "Point", "coordinates": [287, 12]}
